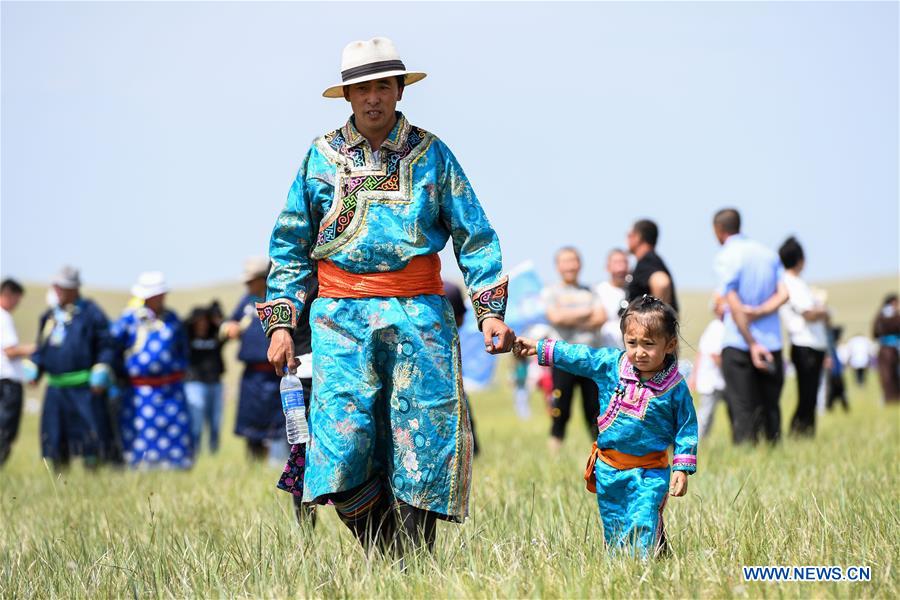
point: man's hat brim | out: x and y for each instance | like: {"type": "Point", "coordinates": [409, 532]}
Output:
{"type": "Point", "coordinates": [410, 77]}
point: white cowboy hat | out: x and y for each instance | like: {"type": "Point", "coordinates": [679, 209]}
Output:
{"type": "Point", "coordinates": [150, 284]}
{"type": "Point", "coordinates": [365, 61]}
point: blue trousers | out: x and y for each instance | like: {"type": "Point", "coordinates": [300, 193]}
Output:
{"type": "Point", "coordinates": [204, 402]}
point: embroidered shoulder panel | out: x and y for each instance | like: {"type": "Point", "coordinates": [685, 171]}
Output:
{"type": "Point", "coordinates": [631, 396]}
{"type": "Point", "coordinates": [360, 180]}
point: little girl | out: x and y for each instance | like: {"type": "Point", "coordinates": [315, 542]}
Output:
{"type": "Point", "coordinates": [645, 407]}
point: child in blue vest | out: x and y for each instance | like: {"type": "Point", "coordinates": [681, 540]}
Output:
{"type": "Point", "coordinates": [645, 407]}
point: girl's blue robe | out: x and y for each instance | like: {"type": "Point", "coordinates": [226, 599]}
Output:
{"type": "Point", "coordinates": [636, 418]}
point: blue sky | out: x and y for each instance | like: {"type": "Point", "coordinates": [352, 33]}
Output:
{"type": "Point", "coordinates": [142, 136]}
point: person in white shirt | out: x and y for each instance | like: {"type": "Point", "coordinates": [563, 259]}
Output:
{"type": "Point", "coordinates": [11, 371]}
{"type": "Point", "coordinates": [612, 296]}
{"type": "Point", "coordinates": [805, 318]}
{"type": "Point", "coordinates": [706, 378]}
{"type": "Point", "coordinates": [577, 314]}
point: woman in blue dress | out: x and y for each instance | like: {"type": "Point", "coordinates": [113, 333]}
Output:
{"type": "Point", "coordinates": [645, 407]}
{"type": "Point", "coordinates": [155, 422]}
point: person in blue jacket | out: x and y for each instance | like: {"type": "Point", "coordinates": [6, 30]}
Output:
{"type": "Point", "coordinates": [260, 420]}
{"type": "Point", "coordinates": [74, 353]}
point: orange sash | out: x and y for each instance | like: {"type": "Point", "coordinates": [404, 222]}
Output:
{"type": "Point", "coordinates": [621, 461]}
{"type": "Point", "coordinates": [421, 276]}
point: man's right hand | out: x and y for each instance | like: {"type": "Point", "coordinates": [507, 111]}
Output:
{"type": "Point", "coordinates": [762, 359]}
{"type": "Point", "coordinates": [281, 351]}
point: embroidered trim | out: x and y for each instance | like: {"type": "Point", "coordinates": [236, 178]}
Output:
{"type": "Point", "coordinates": [545, 352]}
{"type": "Point", "coordinates": [687, 461]}
{"type": "Point", "coordinates": [661, 382]}
{"type": "Point", "coordinates": [491, 301]}
{"type": "Point", "coordinates": [633, 397]}
{"type": "Point", "coordinates": [361, 181]}
{"type": "Point", "coordinates": [362, 502]}
{"type": "Point", "coordinates": [660, 543]}
{"type": "Point", "coordinates": [609, 415]}
{"type": "Point", "coordinates": [276, 314]}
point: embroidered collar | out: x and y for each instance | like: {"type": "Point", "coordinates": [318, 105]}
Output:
{"type": "Point", "coordinates": [395, 139]}
{"type": "Point", "coordinates": [659, 382]}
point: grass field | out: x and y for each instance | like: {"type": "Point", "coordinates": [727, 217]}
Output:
{"type": "Point", "coordinates": [224, 530]}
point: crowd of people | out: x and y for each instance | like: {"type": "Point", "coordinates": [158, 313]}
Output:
{"type": "Point", "coordinates": [143, 389]}
{"type": "Point", "coordinates": [739, 360]}
{"type": "Point", "coordinates": [352, 301]}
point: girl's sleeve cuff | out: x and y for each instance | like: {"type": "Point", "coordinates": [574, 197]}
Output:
{"type": "Point", "coordinates": [685, 462]}
{"type": "Point", "coordinates": [545, 352]}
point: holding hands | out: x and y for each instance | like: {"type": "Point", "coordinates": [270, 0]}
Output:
{"type": "Point", "coordinates": [523, 347]}
{"type": "Point", "coordinates": [498, 337]}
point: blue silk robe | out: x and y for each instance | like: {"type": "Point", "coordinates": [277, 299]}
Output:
{"type": "Point", "coordinates": [636, 418]}
{"type": "Point", "coordinates": [387, 383]}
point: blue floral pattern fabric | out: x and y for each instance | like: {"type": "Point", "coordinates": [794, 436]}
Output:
{"type": "Point", "coordinates": [387, 383]}
{"type": "Point", "coordinates": [638, 418]}
{"type": "Point", "coordinates": [388, 401]}
{"type": "Point", "coordinates": [155, 421]}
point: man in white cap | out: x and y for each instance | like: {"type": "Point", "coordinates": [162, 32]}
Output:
{"type": "Point", "coordinates": [155, 420]}
{"type": "Point", "coordinates": [260, 420]}
{"type": "Point", "coordinates": [75, 352]}
{"type": "Point", "coordinates": [372, 205]}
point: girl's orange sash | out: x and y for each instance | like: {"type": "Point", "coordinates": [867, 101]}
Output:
{"type": "Point", "coordinates": [621, 461]}
{"type": "Point", "coordinates": [421, 276]}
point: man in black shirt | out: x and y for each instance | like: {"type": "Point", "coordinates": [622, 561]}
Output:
{"type": "Point", "coordinates": [650, 275]}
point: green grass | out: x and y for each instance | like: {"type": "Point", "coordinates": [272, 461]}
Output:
{"type": "Point", "coordinates": [224, 530]}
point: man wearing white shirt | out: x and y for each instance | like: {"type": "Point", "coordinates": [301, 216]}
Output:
{"type": "Point", "coordinates": [804, 318]}
{"type": "Point", "coordinates": [612, 296]}
{"type": "Point", "coordinates": [11, 370]}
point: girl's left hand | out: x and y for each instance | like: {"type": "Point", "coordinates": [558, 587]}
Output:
{"type": "Point", "coordinates": [678, 484]}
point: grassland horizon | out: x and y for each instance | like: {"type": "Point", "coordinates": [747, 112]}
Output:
{"type": "Point", "coordinates": [223, 530]}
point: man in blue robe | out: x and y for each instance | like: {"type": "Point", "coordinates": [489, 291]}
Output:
{"type": "Point", "coordinates": [75, 353]}
{"type": "Point", "coordinates": [372, 205]}
{"type": "Point", "coordinates": [260, 420]}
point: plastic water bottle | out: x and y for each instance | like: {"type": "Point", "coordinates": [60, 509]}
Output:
{"type": "Point", "coordinates": [292, 402]}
